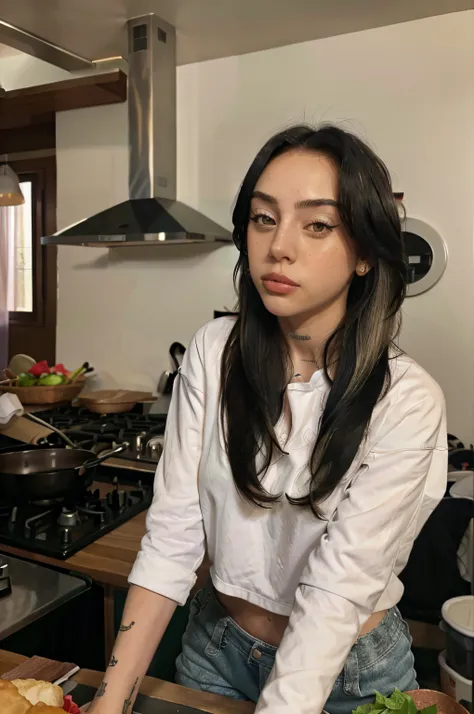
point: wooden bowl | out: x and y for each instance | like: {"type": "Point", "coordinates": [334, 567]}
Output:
{"type": "Point", "coordinates": [444, 703]}
{"type": "Point", "coordinates": [114, 401]}
{"type": "Point", "coordinates": [46, 395]}
{"type": "Point", "coordinates": [107, 407]}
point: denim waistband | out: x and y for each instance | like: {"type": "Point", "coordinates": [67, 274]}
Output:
{"type": "Point", "coordinates": [242, 639]}
{"type": "Point", "coordinates": [368, 649]}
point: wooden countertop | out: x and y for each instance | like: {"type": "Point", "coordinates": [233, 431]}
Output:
{"type": "Point", "coordinates": [107, 560]}
{"type": "Point", "coordinates": [153, 688]}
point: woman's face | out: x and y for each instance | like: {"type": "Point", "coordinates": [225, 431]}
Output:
{"type": "Point", "coordinates": [301, 258]}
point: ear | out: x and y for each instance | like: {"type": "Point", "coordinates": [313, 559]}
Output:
{"type": "Point", "coordinates": [363, 267]}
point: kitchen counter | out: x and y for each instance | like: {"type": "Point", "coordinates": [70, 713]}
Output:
{"type": "Point", "coordinates": [35, 592]}
{"type": "Point", "coordinates": [107, 561]}
{"type": "Point", "coordinates": [153, 688]}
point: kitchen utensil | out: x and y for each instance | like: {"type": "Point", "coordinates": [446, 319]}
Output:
{"type": "Point", "coordinates": [458, 623]}
{"type": "Point", "coordinates": [44, 474]}
{"type": "Point", "coordinates": [114, 401]}
{"type": "Point", "coordinates": [23, 430]}
{"type": "Point", "coordinates": [46, 395]}
{"type": "Point", "coordinates": [7, 376]}
{"type": "Point", "coordinates": [177, 352]}
{"type": "Point", "coordinates": [165, 384]}
{"type": "Point", "coordinates": [444, 703]}
{"type": "Point", "coordinates": [453, 683]}
{"type": "Point", "coordinates": [64, 436]}
{"type": "Point", "coordinates": [463, 488]}
{"type": "Point", "coordinates": [82, 694]}
{"type": "Point", "coordinates": [21, 363]}
{"type": "Point", "coordinates": [84, 369]}
{"type": "Point", "coordinates": [47, 670]}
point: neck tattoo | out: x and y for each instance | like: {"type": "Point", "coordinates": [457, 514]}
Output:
{"type": "Point", "coordinates": [296, 336]}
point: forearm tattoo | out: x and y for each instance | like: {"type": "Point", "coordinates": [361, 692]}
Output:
{"type": "Point", "coordinates": [126, 628]}
{"type": "Point", "coordinates": [113, 661]}
{"type": "Point", "coordinates": [128, 702]}
{"type": "Point", "coordinates": [101, 691]}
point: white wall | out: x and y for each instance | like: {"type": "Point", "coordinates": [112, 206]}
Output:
{"type": "Point", "coordinates": [407, 88]}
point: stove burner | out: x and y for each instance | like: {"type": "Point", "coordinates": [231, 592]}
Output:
{"type": "Point", "coordinates": [61, 529]}
{"type": "Point", "coordinates": [144, 432]}
{"type": "Point", "coordinates": [67, 518]}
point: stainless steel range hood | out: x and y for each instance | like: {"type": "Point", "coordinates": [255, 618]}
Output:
{"type": "Point", "coordinates": [152, 215]}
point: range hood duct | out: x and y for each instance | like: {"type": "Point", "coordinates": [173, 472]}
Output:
{"type": "Point", "coordinates": [152, 215]}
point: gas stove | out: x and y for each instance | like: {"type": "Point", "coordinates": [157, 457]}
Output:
{"type": "Point", "coordinates": [60, 529]}
{"type": "Point", "coordinates": [144, 433]}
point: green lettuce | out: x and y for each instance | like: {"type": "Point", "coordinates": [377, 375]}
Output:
{"type": "Point", "coordinates": [397, 703]}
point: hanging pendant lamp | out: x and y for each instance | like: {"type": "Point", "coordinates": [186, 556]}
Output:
{"type": "Point", "coordinates": [10, 191]}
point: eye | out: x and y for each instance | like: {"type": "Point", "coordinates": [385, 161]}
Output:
{"type": "Point", "coordinates": [262, 219]}
{"type": "Point", "coordinates": [320, 227]}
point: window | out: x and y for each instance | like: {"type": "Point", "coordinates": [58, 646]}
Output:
{"type": "Point", "coordinates": [32, 267]}
{"type": "Point", "coordinates": [24, 227]}
{"type": "Point", "coordinates": [19, 224]}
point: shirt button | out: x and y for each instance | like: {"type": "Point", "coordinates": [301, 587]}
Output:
{"type": "Point", "coordinates": [256, 653]}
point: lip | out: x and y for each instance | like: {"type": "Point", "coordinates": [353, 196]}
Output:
{"type": "Point", "coordinates": [279, 284]}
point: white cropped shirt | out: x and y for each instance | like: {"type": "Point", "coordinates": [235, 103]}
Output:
{"type": "Point", "coordinates": [329, 575]}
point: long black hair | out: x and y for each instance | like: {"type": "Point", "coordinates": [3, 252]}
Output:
{"type": "Point", "coordinates": [255, 360]}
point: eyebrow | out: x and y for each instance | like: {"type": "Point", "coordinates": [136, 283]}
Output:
{"type": "Point", "coordinates": [306, 203]}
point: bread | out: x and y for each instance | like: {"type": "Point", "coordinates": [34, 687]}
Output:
{"type": "Point", "coordinates": [11, 701]}
{"type": "Point", "coordinates": [30, 696]}
{"type": "Point", "coordinates": [37, 691]}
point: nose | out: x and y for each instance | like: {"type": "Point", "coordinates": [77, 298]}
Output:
{"type": "Point", "coordinates": [282, 246]}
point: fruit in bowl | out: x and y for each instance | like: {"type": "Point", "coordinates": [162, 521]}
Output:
{"type": "Point", "coordinates": [42, 375]}
{"type": "Point", "coordinates": [43, 384]}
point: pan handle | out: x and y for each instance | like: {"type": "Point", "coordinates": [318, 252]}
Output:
{"type": "Point", "coordinates": [91, 463]}
{"type": "Point", "coordinates": [177, 351]}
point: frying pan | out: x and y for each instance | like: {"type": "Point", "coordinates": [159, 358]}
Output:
{"type": "Point", "coordinates": [47, 473]}
{"type": "Point", "coordinates": [165, 385]}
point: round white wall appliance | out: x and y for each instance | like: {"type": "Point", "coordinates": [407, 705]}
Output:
{"type": "Point", "coordinates": [427, 255]}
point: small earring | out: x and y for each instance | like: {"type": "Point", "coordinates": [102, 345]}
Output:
{"type": "Point", "coordinates": [361, 270]}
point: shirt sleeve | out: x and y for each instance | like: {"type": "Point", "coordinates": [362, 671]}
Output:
{"type": "Point", "coordinates": [366, 545]}
{"type": "Point", "coordinates": [174, 544]}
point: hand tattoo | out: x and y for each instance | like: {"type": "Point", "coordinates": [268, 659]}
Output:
{"type": "Point", "coordinates": [113, 661]}
{"type": "Point", "coordinates": [128, 702]}
{"type": "Point", "coordinates": [126, 628]}
{"type": "Point", "coordinates": [101, 691]}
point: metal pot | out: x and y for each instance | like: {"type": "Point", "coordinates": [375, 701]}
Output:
{"type": "Point", "coordinates": [43, 474]}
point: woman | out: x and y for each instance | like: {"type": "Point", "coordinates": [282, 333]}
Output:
{"type": "Point", "coordinates": [303, 451]}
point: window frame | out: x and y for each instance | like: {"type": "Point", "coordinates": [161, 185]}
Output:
{"type": "Point", "coordinates": [36, 316]}
{"type": "Point", "coordinates": [41, 170]}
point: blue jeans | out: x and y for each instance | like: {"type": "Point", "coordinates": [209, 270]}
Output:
{"type": "Point", "coordinates": [218, 656]}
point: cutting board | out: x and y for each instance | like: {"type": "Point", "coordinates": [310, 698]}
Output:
{"type": "Point", "coordinates": [83, 694]}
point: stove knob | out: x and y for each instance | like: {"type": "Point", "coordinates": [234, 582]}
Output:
{"type": "Point", "coordinates": [5, 583]}
{"type": "Point", "coordinates": [122, 499]}
{"type": "Point", "coordinates": [119, 499]}
{"type": "Point", "coordinates": [139, 444]}
{"type": "Point", "coordinates": [67, 518]}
